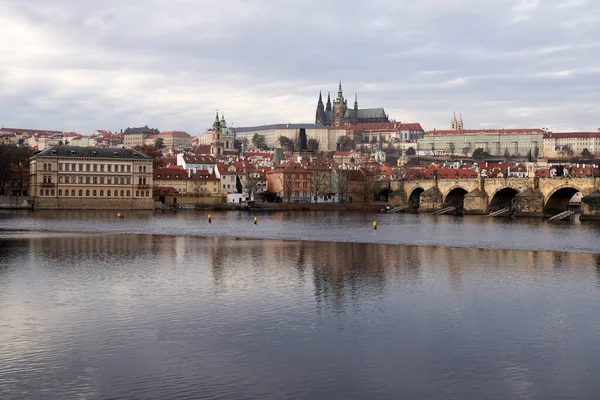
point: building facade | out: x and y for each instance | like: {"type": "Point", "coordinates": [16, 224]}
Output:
{"type": "Point", "coordinates": [338, 113]}
{"type": "Point", "coordinates": [70, 178]}
{"type": "Point", "coordinates": [571, 144]}
{"type": "Point", "coordinates": [325, 137]}
{"type": "Point", "coordinates": [497, 142]}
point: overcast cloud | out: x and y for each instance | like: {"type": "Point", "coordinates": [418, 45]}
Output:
{"type": "Point", "coordinates": [84, 65]}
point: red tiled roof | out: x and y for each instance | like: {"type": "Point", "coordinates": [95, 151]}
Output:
{"type": "Point", "coordinates": [32, 131]}
{"type": "Point", "coordinates": [198, 159]}
{"type": "Point", "coordinates": [571, 135]}
{"type": "Point", "coordinates": [203, 150]}
{"type": "Point", "coordinates": [498, 131]}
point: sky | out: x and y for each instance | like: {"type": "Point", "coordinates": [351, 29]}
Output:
{"type": "Point", "coordinates": [83, 65]}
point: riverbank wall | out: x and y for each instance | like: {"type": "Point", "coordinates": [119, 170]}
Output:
{"type": "Point", "coordinates": [16, 202]}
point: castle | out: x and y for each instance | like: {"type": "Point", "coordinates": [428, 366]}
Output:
{"type": "Point", "coordinates": [339, 114]}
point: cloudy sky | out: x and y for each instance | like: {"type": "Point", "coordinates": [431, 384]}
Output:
{"type": "Point", "coordinates": [82, 65]}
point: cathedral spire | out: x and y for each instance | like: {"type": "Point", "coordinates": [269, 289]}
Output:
{"type": "Point", "coordinates": [320, 98]}
{"type": "Point", "coordinates": [217, 123]}
{"type": "Point", "coordinates": [223, 123]}
{"type": "Point", "coordinates": [340, 94]}
{"type": "Point", "coordinates": [356, 101]}
{"type": "Point", "coordinates": [328, 102]}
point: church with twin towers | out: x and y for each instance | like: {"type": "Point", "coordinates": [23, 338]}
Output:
{"type": "Point", "coordinates": [338, 113]}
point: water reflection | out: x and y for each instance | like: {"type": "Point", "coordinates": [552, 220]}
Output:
{"type": "Point", "coordinates": [151, 316]}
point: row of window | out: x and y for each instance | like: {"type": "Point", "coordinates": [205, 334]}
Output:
{"type": "Point", "coordinates": [94, 193]}
{"type": "Point", "coordinates": [82, 167]}
{"type": "Point", "coordinates": [110, 180]}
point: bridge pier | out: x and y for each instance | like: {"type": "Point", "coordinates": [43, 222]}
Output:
{"type": "Point", "coordinates": [431, 200]}
{"type": "Point", "coordinates": [529, 203]}
{"type": "Point", "coordinates": [476, 202]}
{"type": "Point", "coordinates": [590, 207]}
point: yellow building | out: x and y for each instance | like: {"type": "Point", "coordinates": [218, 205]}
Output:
{"type": "Point", "coordinates": [174, 176]}
{"type": "Point", "coordinates": [64, 177]}
{"type": "Point", "coordinates": [203, 181]}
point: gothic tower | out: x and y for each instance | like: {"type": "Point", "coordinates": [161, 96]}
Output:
{"type": "Point", "coordinates": [340, 105]}
{"type": "Point", "coordinates": [320, 117]}
{"type": "Point", "coordinates": [354, 117]}
{"type": "Point", "coordinates": [460, 125]}
{"type": "Point", "coordinates": [454, 123]}
{"type": "Point", "coordinates": [328, 108]}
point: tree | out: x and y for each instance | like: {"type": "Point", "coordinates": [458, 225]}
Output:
{"type": "Point", "coordinates": [466, 151]}
{"type": "Point", "coordinates": [506, 154]}
{"type": "Point", "coordinates": [313, 145]}
{"type": "Point", "coordinates": [480, 154]}
{"type": "Point", "coordinates": [586, 154]}
{"type": "Point", "coordinates": [451, 147]}
{"type": "Point", "coordinates": [258, 141]}
{"type": "Point", "coordinates": [411, 151]}
{"type": "Point", "coordinates": [367, 183]}
{"type": "Point", "coordinates": [239, 143]}
{"type": "Point", "coordinates": [344, 143]}
{"type": "Point", "coordinates": [269, 196]}
{"type": "Point", "coordinates": [288, 182]}
{"type": "Point", "coordinates": [60, 143]}
{"type": "Point", "coordinates": [13, 160]}
{"type": "Point", "coordinates": [340, 183]}
{"type": "Point", "coordinates": [159, 144]}
{"type": "Point", "coordinates": [286, 143]}
{"type": "Point", "coordinates": [529, 156]}
{"type": "Point", "coordinates": [319, 180]}
{"type": "Point", "coordinates": [566, 151]}
{"type": "Point", "coordinates": [151, 152]}
{"type": "Point", "coordinates": [238, 184]}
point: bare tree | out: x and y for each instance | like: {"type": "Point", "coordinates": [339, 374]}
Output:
{"type": "Point", "coordinates": [288, 182]}
{"type": "Point", "coordinates": [319, 180]}
{"type": "Point", "coordinates": [340, 183]}
{"type": "Point", "coordinates": [367, 184]}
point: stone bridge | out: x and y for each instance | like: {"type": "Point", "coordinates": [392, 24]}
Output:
{"type": "Point", "coordinates": [523, 196]}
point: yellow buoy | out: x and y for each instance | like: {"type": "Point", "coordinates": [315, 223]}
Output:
{"type": "Point", "coordinates": [375, 225]}
{"type": "Point", "coordinates": [209, 218]}
{"type": "Point", "coordinates": [255, 220]}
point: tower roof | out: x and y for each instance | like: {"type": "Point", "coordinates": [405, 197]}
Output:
{"type": "Point", "coordinates": [454, 117]}
{"type": "Point", "coordinates": [340, 96]}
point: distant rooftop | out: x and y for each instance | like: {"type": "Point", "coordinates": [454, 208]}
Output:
{"type": "Point", "coordinates": [277, 126]}
{"type": "Point", "coordinates": [89, 152]}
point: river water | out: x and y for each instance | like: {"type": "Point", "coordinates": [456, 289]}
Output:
{"type": "Point", "coordinates": [167, 306]}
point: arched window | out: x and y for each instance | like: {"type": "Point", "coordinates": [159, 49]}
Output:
{"type": "Point", "coordinates": [101, 193]}
{"type": "Point", "coordinates": [140, 169]}
{"type": "Point", "coordinates": [128, 193]}
{"type": "Point", "coordinates": [52, 192]}
{"type": "Point", "coordinates": [108, 193]}
{"type": "Point", "coordinates": [147, 193]}
{"type": "Point", "coordinates": [144, 168]}
{"type": "Point", "coordinates": [60, 192]}
{"type": "Point", "coordinates": [72, 192]}
{"type": "Point", "coordinates": [122, 193]}
{"type": "Point", "coordinates": [80, 193]}
{"type": "Point", "coordinates": [87, 193]}
{"type": "Point", "coordinates": [94, 193]}
{"type": "Point", "coordinates": [137, 193]}
{"type": "Point", "coordinates": [47, 192]}
{"type": "Point", "coordinates": [66, 192]}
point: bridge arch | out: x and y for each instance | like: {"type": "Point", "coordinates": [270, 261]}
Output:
{"type": "Point", "coordinates": [455, 197]}
{"type": "Point", "coordinates": [414, 198]}
{"type": "Point", "coordinates": [558, 200]}
{"type": "Point", "coordinates": [502, 198]}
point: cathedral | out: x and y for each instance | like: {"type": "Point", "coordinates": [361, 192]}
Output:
{"type": "Point", "coordinates": [339, 114]}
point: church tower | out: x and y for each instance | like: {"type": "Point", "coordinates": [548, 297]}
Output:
{"type": "Point", "coordinates": [454, 123]}
{"type": "Point", "coordinates": [320, 117]}
{"type": "Point", "coordinates": [460, 123]}
{"type": "Point", "coordinates": [216, 148]}
{"type": "Point", "coordinates": [340, 105]}
{"type": "Point", "coordinates": [328, 108]}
